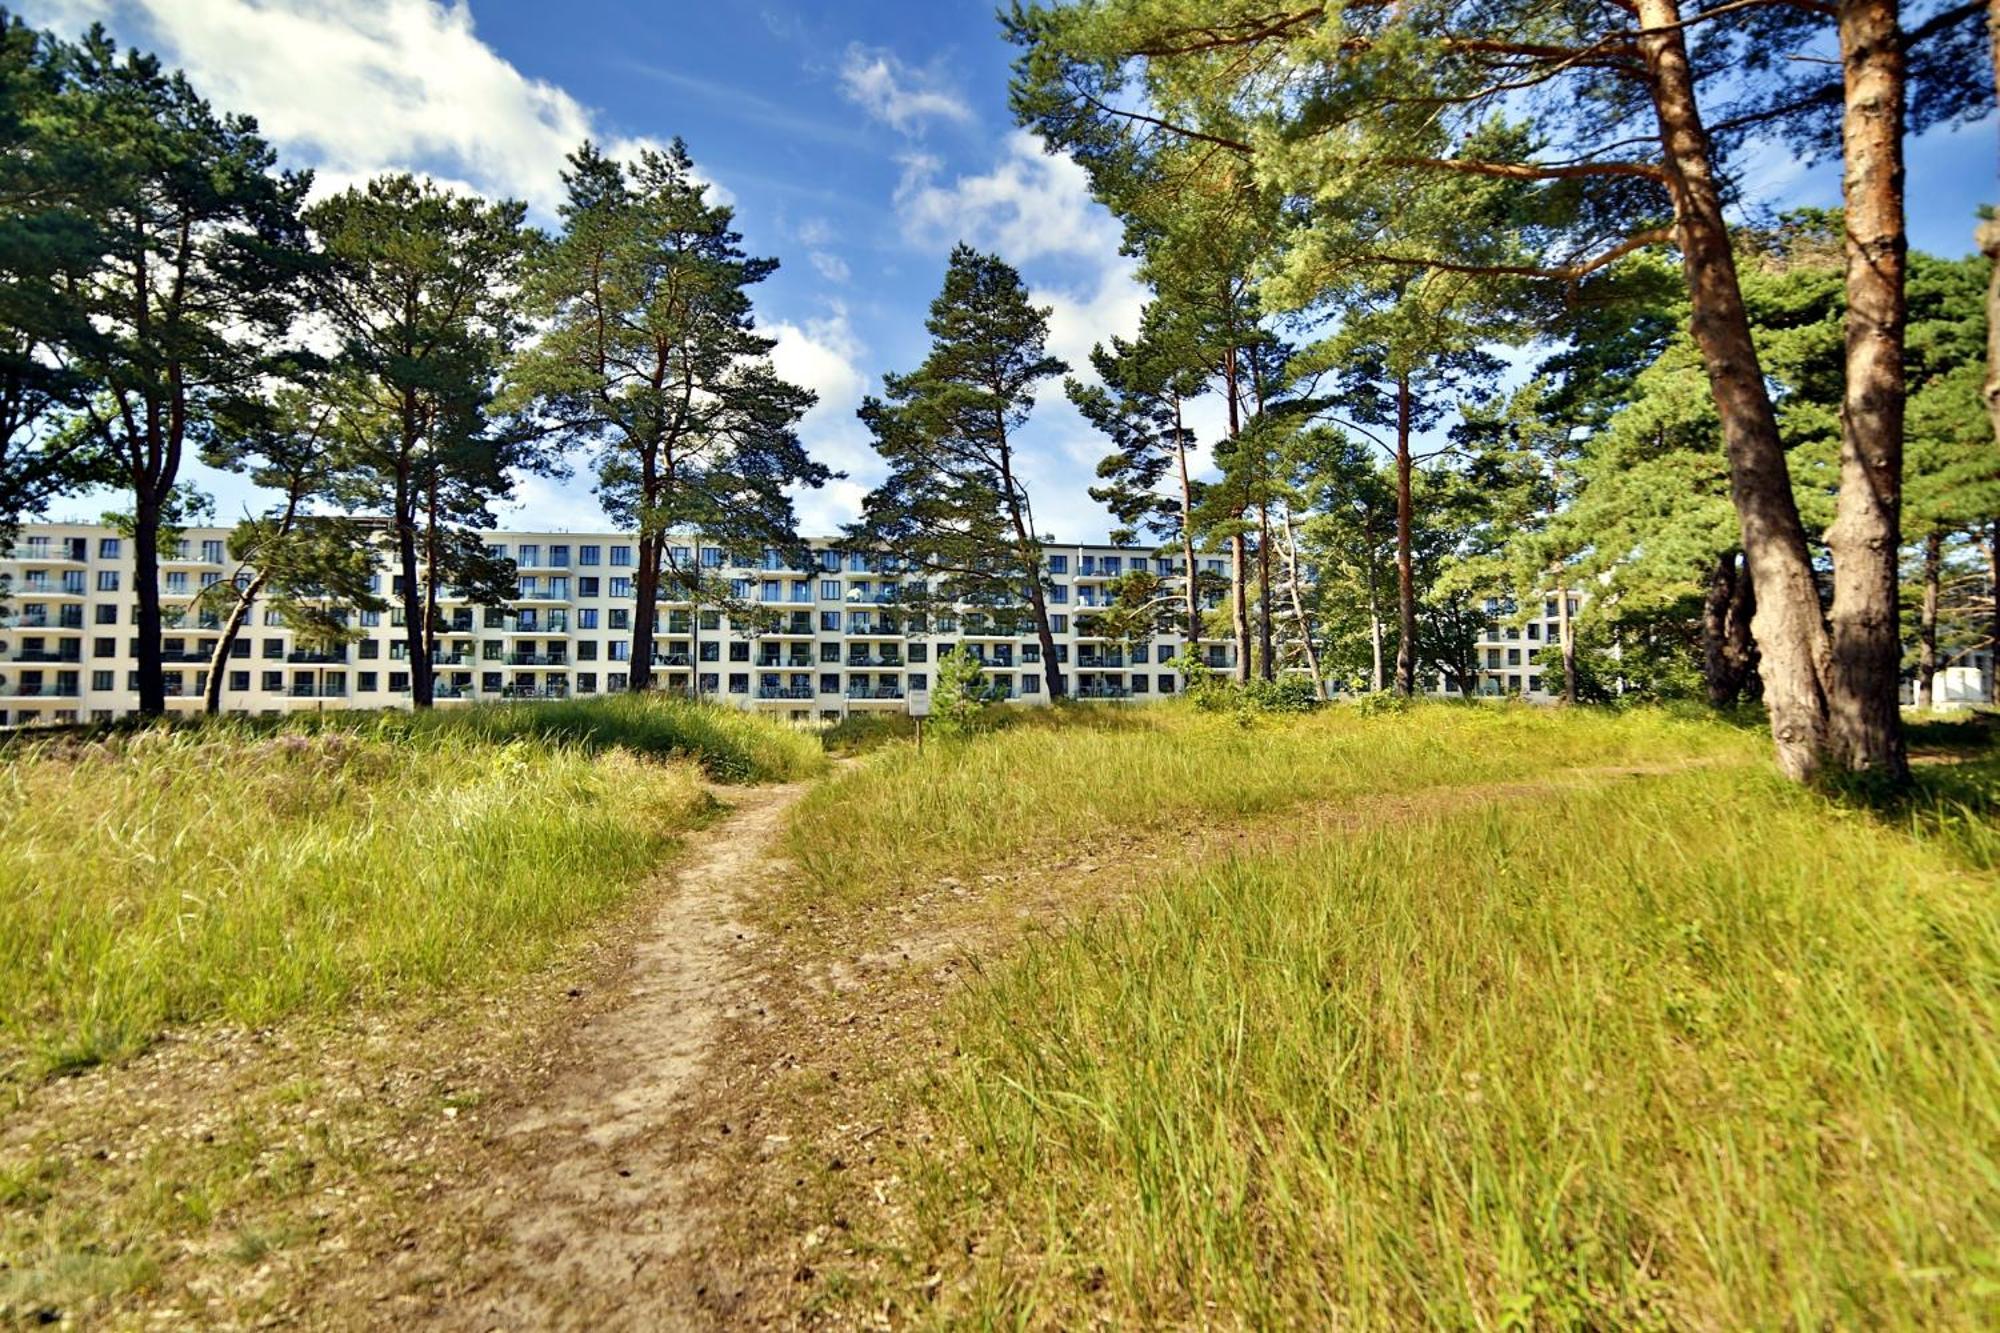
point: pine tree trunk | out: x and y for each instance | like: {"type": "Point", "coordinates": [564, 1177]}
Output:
{"type": "Point", "coordinates": [646, 605]}
{"type": "Point", "coordinates": [1406, 583]}
{"type": "Point", "coordinates": [413, 611]}
{"type": "Point", "coordinates": [1038, 604]}
{"type": "Point", "coordinates": [1292, 580]}
{"type": "Point", "coordinates": [1927, 622]}
{"type": "Point", "coordinates": [425, 663]}
{"type": "Point", "coordinates": [1865, 721]}
{"type": "Point", "coordinates": [1993, 630]}
{"type": "Point", "coordinates": [1239, 606]}
{"type": "Point", "coordinates": [1375, 635]}
{"type": "Point", "coordinates": [146, 583]}
{"type": "Point", "coordinates": [1790, 631]}
{"type": "Point", "coordinates": [1567, 644]}
{"type": "Point", "coordinates": [246, 596]}
{"type": "Point", "coordinates": [1267, 661]}
{"type": "Point", "coordinates": [1187, 532]}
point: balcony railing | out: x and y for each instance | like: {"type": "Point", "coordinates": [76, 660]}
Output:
{"type": "Point", "coordinates": [795, 663]}
{"type": "Point", "coordinates": [876, 661]}
{"type": "Point", "coordinates": [311, 656]}
{"type": "Point", "coordinates": [42, 691]}
{"type": "Point", "coordinates": [1101, 662]}
{"type": "Point", "coordinates": [875, 692]}
{"type": "Point", "coordinates": [1103, 692]}
{"type": "Point", "coordinates": [532, 692]}
{"type": "Point", "coordinates": [318, 691]}
{"type": "Point", "coordinates": [47, 655]}
{"type": "Point", "coordinates": [784, 692]}
{"type": "Point", "coordinates": [672, 659]}
{"type": "Point", "coordinates": [537, 659]}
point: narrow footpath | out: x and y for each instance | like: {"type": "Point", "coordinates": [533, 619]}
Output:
{"type": "Point", "coordinates": [595, 1204]}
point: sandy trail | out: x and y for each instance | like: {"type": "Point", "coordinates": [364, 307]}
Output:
{"type": "Point", "coordinates": [594, 1209]}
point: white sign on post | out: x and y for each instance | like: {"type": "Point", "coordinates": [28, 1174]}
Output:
{"type": "Point", "coordinates": [920, 703]}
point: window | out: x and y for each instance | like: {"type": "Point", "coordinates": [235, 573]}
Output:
{"type": "Point", "coordinates": [587, 585]}
{"type": "Point", "coordinates": [621, 588]}
{"type": "Point", "coordinates": [239, 650]}
{"type": "Point", "coordinates": [177, 582]}
{"type": "Point", "coordinates": [589, 555]}
{"type": "Point", "coordinates": [1031, 684]}
{"type": "Point", "coordinates": [829, 620]}
{"type": "Point", "coordinates": [107, 614]}
{"type": "Point", "coordinates": [829, 590]}
{"type": "Point", "coordinates": [399, 682]}
{"type": "Point", "coordinates": [828, 652]}
{"type": "Point", "coordinates": [1534, 684]}
{"type": "Point", "coordinates": [586, 617]}
{"type": "Point", "coordinates": [498, 551]}
{"type": "Point", "coordinates": [531, 554]}
{"type": "Point", "coordinates": [559, 557]}
{"type": "Point", "coordinates": [274, 650]}
{"type": "Point", "coordinates": [739, 682]}
{"type": "Point", "coordinates": [1059, 624]}
{"type": "Point", "coordinates": [619, 650]}
{"type": "Point", "coordinates": [621, 557]}
{"type": "Point", "coordinates": [1166, 684]}
{"type": "Point", "coordinates": [103, 680]}
{"type": "Point", "coordinates": [829, 683]}
{"type": "Point", "coordinates": [711, 557]}
{"type": "Point", "coordinates": [107, 548]}
{"type": "Point", "coordinates": [107, 579]}
{"type": "Point", "coordinates": [239, 681]}
{"type": "Point", "coordinates": [367, 682]}
{"type": "Point", "coordinates": [1060, 594]}
{"type": "Point", "coordinates": [274, 681]}
{"type": "Point", "coordinates": [772, 591]}
{"type": "Point", "coordinates": [1058, 564]}
{"type": "Point", "coordinates": [370, 619]}
{"type": "Point", "coordinates": [1139, 682]}
{"type": "Point", "coordinates": [104, 647]}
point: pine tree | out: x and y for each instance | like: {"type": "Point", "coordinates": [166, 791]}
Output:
{"type": "Point", "coordinates": [649, 355]}
{"type": "Point", "coordinates": [194, 296]}
{"type": "Point", "coordinates": [421, 290]}
{"type": "Point", "coordinates": [954, 505]}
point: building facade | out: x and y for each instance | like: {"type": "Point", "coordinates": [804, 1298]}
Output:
{"type": "Point", "coordinates": [822, 642]}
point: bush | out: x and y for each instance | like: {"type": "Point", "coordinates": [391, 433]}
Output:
{"type": "Point", "coordinates": [959, 701]}
{"type": "Point", "coordinates": [1287, 694]}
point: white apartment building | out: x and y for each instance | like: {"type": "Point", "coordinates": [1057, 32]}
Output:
{"type": "Point", "coordinates": [1516, 657]}
{"type": "Point", "coordinates": [835, 640]}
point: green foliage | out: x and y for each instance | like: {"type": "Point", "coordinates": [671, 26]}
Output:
{"type": "Point", "coordinates": [954, 504]}
{"type": "Point", "coordinates": [960, 694]}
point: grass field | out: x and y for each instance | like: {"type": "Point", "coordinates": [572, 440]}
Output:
{"type": "Point", "coordinates": [1686, 1049]}
{"type": "Point", "coordinates": [244, 873]}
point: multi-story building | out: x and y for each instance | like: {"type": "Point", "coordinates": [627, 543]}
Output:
{"type": "Point", "coordinates": [824, 641]}
{"type": "Point", "coordinates": [1517, 657]}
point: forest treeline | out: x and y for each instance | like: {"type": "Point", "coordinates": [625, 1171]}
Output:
{"type": "Point", "coordinates": [1471, 298]}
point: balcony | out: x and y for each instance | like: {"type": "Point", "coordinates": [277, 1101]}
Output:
{"type": "Point", "coordinates": [44, 554]}
{"type": "Point", "coordinates": [317, 657]}
{"type": "Point", "coordinates": [187, 656]}
{"type": "Point", "coordinates": [876, 660]}
{"type": "Point", "coordinates": [538, 659]}
{"type": "Point", "coordinates": [317, 691]}
{"type": "Point", "coordinates": [22, 621]}
{"type": "Point", "coordinates": [873, 692]}
{"type": "Point", "coordinates": [1103, 692]}
{"type": "Point", "coordinates": [40, 691]}
{"type": "Point", "coordinates": [540, 631]}
{"type": "Point", "coordinates": [451, 659]}
{"type": "Point", "coordinates": [672, 660]}
{"type": "Point", "coordinates": [798, 627]}
{"type": "Point", "coordinates": [784, 692]}
{"type": "Point", "coordinates": [1101, 662]}
{"type": "Point", "coordinates": [48, 655]}
{"type": "Point", "coordinates": [72, 592]}
{"type": "Point", "coordinates": [534, 692]}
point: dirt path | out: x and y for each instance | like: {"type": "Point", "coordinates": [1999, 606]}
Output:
{"type": "Point", "coordinates": [592, 1214]}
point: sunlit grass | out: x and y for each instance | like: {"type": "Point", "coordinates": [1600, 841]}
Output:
{"type": "Point", "coordinates": [1061, 780]}
{"type": "Point", "coordinates": [1618, 1031]}
{"type": "Point", "coordinates": [175, 876]}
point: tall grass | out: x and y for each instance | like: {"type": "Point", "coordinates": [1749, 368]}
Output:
{"type": "Point", "coordinates": [730, 744]}
{"type": "Point", "coordinates": [1699, 1051]}
{"type": "Point", "coordinates": [1064, 779]}
{"type": "Point", "coordinates": [169, 876]}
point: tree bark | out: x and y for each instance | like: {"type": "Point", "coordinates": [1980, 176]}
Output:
{"type": "Point", "coordinates": [1187, 532]}
{"type": "Point", "coordinates": [1864, 717]}
{"type": "Point", "coordinates": [146, 583]}
{"type": "Point", "coordinates": [1406, 583]}
{"type": "Point", "coordinates": [1993, 630]}
{"type": "Point", "coordinates": [646, 605]}
{"type": "Point", "coordinates": [1790, 631]}
{"type": "Point", "coordinates": [1729, 655]}
{"type": "Point", "coordinates": [218, 661]}
{"type": "Point", "coordinates": [425, 663]}
{"type": "Point", "coordinates": [413, 612]}
{"type": "Point", "coordinates": [1927, 622]}
{"type": "Point", "coordinates": [1292, 580]}
{"type": "Point", "coordinates": [1239, 606]}
{"type": "Point", "coordinates": [1267, 661]}
{"type": "Point", "coordinates": [1566, 643]}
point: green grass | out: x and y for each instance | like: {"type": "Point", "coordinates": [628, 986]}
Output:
{"type": "Point", "coordinates": [1695, 1049]}
{"type": "Point", "coordinates": [1062, 779]}
{"type": "Point", "coordinates": [223, 872]}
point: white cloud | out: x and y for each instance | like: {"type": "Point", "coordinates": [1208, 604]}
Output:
{"type": "Point", "coordinates": [1078, 321]}
{"type": "Point", "coordinates": [356, 87]}
{"type": "Point", "coordinates": [1030, 204]}
{"type": "Point", "coordinates": [831, 266]}
{"type": "Point", "coordinates": [815, 231]}
{"type": "Point", "coordinates": [825, 356]}
{"type": "Point", "coordinates": [896, 94]}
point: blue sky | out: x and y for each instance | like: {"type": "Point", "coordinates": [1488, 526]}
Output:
{"type": "Point", "coordinates": [857, 141]}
